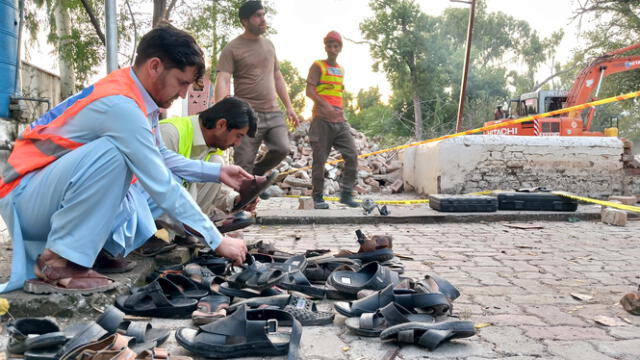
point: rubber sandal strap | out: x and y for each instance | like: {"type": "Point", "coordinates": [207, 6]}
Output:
{"type": "Point", "coordinates": [138, 330]}
{"type": "Point", "coordinates": [433, 337]}
{"type": "Point", "coordinates": [110, 319]}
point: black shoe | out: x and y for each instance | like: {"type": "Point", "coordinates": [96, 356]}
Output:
{"type": "Point", "coordinates": [319, 203]}
{"type": "Point", "coordinates": [347, 199]}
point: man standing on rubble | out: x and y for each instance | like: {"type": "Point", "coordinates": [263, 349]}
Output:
{"type": "Point", "coordinates": [251, 60]}
{"type": "Point", "coordinates": [329, 127]}
{"type": "Point", "coordinates": [93, 173]}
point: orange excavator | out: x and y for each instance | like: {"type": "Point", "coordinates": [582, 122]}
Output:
{"type": "Point", "coordinates": [570, 124]}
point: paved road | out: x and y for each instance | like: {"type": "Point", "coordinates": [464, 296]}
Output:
{"type": "Point", "coordinates": [518, 281]}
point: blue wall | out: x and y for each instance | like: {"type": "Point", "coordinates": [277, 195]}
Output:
{"type": "Point", "coordinates": [8, 52]}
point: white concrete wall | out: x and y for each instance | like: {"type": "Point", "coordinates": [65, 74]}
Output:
{"type": "Point", "coordinates": [589, 166]}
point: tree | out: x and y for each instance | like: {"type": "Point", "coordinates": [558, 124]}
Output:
{"type": "Point", "coordinates": [395, 34]}
{"type": "Point", "coordinates": [296, 85]}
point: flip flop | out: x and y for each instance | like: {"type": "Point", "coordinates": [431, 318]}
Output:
{"type": "Point", "coordinates": [161, 298]}
{"type": "Point", "coordinates": [372, 324]}
{"type": "Point", "coordinates": [244, 333]}
{"type": "Point", "coordinates": [428, 335]}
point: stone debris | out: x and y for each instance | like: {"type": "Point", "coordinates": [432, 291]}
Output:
{"type": "Point", "coordinates": [613, 216]}
{"type": "Point", "coordinates": [380, 173]}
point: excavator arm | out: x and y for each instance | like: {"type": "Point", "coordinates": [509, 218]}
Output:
{"type": "Point", "coordinates": [590, 79]}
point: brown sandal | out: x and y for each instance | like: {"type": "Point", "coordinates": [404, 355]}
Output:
{"type": "Point", "coordinates": [70, 279]}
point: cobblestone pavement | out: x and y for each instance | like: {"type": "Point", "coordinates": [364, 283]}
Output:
{"type": "Point", "coordinates": [518, 281]}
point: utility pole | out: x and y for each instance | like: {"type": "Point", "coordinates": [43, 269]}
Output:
{"type": "Point", "coordinates": [465, 69]}
{"type": "Point", "coordinates": [111, 19]}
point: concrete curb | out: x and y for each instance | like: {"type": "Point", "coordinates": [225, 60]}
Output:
{"type": "Point", "coordinates": [422, 216]}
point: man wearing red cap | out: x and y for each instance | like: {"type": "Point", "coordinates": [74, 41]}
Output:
{"type": "Point", "coordinates": [329, 127]}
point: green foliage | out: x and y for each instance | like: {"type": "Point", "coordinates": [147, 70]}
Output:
{"type": "Point", "coordinates": [423, 55]}
{"type": "Point", "coordinates": [296, 86]}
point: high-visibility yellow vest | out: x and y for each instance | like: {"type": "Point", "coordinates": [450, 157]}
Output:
{"type": "Point", "coordinates": [184, 125]}
{"type": "Point", "coordinates": [331, 85]}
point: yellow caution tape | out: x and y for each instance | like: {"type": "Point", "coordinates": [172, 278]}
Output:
{"type": "Point", "coordinates": [489, 127]}
{"type": "Point", "coordinates": [599, 202]}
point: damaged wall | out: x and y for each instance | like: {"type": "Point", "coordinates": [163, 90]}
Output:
{"type": "Point", "coordinates": [588, 166]}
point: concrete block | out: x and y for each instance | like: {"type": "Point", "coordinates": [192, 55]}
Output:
{"type": "Point", "coordinates": [179, 255]}
{"type": "Point", "coordinates": [627, 200]}
{"type": "Point", "coordinates": [305, 204]}
{"type": "Point", "coordinates": [614, 217]}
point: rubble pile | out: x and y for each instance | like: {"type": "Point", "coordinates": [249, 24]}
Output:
{"type": "Point", "coordinates": [380, 173]}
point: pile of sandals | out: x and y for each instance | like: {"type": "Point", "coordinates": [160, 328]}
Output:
{"type": "Point", "coordinates": [259, 308]}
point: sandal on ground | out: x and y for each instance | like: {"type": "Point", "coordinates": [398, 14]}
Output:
{"type": "Point", "coordinates": [244, 333]}
{"type": "Point", "coordinates": [375, 248]}
{"type": "Point", "coordinates": [428, 335]}
{"type": "Point", "coordinates": [372, 276]}
{"type": "Point", "coordinates": [433, 303]}
{"type": "Point", "coordinates": [114, 342]}
{"type": "Point", "coordinates": [33, 333]}
{"type": "Point", "coordinates": [218, 265]}
{"type": "Point", "coordinates": [87, 333]}
{"type": "Point", "coordinates": [252, 188]}
{"type": "Point", "coordinates": [189, 288]}
{"type": "Point", "coordinates": [70, 279]}
{"type": "Point", "coordinates": [372, 324]}
{"type": "Point", "coordinates": [233, 222]}
{"type": "Point", "coordinates": [225, 289]}
{"type": "Point", "coordinates": [161, 298]}
{"type": "Point", "coordinates": [159, 354]}
{"type": "Point", "coordinates": [320, 267]}
{"type": "Point", "coordinates": [302, 309]}
{"type": "Point", "coordinates": [154, 246]}
{"type": "Point", "coordinates": [107, 264]}
{"type": "Point", "coordinates": [144, 335]}
{"type": "Point", "coordinates": [210, 308]}
{"type": "Point", "coordinates": [256, 275]}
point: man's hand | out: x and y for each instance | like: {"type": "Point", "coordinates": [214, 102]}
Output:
{"type": "Point", "coordinates": [233, 249]}
{"type": "Point", "coordinates": [293, 117]}
{"type": "Point", "coordinates": [232, 176]}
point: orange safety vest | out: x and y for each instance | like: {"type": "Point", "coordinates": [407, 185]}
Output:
{"type": "Point", "coordinates": [38, 146]}
{"type": "Point", "coordinates": [331, 85]}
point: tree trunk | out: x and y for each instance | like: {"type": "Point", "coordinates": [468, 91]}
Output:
{"type": "Point", "coordinates": [63, 29]}
{"type": "Point", "coordinates": [417, 108]}
{"type": "Point", "coordinates": [159, 11]}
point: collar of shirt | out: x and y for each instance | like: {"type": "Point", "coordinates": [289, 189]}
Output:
{"type": "Point", "coordinates": [152, 108]}
{"type": "Point", "coordinates": [198, 138]}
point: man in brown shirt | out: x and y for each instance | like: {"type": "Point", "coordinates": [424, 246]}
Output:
{"type": "Point", "coordinates": [329, 127]}
{"type": "Point", "coordinates": [251, 60]}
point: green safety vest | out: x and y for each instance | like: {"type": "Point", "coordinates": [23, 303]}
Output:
{"type": "Point", "coordinates": [185, 131]}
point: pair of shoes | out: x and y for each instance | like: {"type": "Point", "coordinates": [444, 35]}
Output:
{"type": "Point", "coordinates": [319, 203]}
{"type": "Point", "coordinates": [347, 198]}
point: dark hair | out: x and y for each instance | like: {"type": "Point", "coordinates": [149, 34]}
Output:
{"type": "Point", "coordinates": [238, 114]}
{"type": "Point", "coordinates": [249, 8]}
{"type": "Point", "coordinates": [176, 49]}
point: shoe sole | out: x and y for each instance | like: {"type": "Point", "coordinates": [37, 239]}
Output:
{"type": "Point", "coordinates": [41, 287]}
